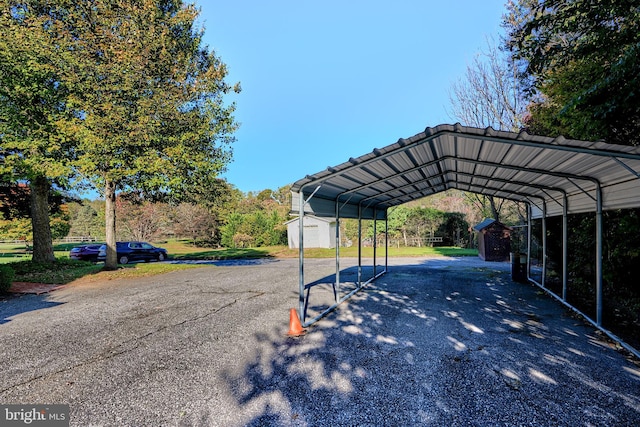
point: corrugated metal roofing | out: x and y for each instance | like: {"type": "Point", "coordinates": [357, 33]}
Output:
{"type": "Point", "coordinates": [484, 224]}
{"type": "Point", "coordinates": [517, 166]}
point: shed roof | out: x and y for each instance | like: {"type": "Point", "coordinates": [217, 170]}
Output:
{"type": "Point", "coordinates": [517, 166]}
{"type": "Point", "coordinates": [488, 222]}
{"type": "Point", "coordinates": [320, 219]}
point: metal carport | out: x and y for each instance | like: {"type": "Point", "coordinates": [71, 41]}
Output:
{"type": "Point", "coordinates": [553, 176]}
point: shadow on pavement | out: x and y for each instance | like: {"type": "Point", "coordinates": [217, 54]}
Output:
{"type": "Point", "coordinates": [431, 345]}
{"type": "Point", "coordinates": [15, 305]}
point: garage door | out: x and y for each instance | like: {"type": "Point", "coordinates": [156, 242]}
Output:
{"type": "Point", "coordinates": [311, 236]}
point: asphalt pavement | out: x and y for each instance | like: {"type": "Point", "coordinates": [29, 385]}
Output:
{"type": "Point", "coordinates": [433, 342]}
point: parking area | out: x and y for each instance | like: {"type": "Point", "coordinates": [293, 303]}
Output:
{"type": "Point", "coordinates": [448, 341]}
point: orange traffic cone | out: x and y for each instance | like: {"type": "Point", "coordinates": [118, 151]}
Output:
{"type": "Point", "coordinates": [295, 328]}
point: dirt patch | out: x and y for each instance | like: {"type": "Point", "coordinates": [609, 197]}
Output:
{"type": "Point", "coordinates": [33, 288]}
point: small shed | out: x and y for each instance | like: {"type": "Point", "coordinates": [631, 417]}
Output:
{"type": "Point", "coordinates": [318, 232]}
{"type": "Point", "coordinates": [494, 240]}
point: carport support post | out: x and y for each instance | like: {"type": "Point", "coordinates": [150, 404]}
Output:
{"type": "Point", "coordinates": [529, 225]}
{"type": "Point", "coordinates": [359, 245]}
{"type": "Point", "coordinates": [301, 312]}
{"type": "Point", "coordinates": [565, 257]}
{"type": "Point", "coordinates": [599, 255]}
{"type": "Point", "coordinates": [544, 242]}
{"type": "Point", "coordinates": [336, 288]}
{"type": "Point", "coordinates": [386, 240]}
{"type": "Point", "coordinates": [375, 239]}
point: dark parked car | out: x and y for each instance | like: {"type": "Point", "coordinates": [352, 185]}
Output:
{"type": "Point", "coordinates": [134, 251]}
{"type": "Point", "coordinates": [85, 253]}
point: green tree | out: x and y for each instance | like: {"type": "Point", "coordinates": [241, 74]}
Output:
{"type": "Point", "coordinates": [225, 200]}
{"type": "Point", "coordinates": [16, 229]}
{"type": "Point", "coordinates": [398, 217]}
{"type": "Point", "coordinates": [33, 107]}
{"type": "Point", "coordinates": [140, 220]}
{"type": "Point", "coordinates": [275, 232]}
{"type": "Point", "coordinates": [14, 200]}
{"type": "Point", "coordinates": [150, 97]}
{"type": "Point", "coordinates": [15, 213]}
{"type": "Point", "coordinates": [197, 223]}
{"type": "Point", "coordinates": [85, 220]}
{"type": "Point", "coordinates": [423, 222]}
{"type": "Point", "coordinates": [60, 225]}
{"type": "Point", "coordinates": [230, 229]}
{"type": "Point", "coordinates": [582, 59]}
{"type": "Point", "coordinates": [453, 229]}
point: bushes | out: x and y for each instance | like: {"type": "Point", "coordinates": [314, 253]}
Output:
{"type": "Point", "coordinates": [6, 278]}
{"type": "Point", "coordinates": [254, 229]}
{"type": "Point", "coordinates": [621, 267]}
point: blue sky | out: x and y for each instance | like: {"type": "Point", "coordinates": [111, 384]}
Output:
{"type": "Point", "coordinates": [328, 80]}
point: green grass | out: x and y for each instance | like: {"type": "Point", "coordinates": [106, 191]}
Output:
{"type": "Point", "coordinates": [65, 270]}
{"type": "Point", "coordinates": [179, 249]}
{"type": "Point", "coordinates": [11, 252]}
{"type": "Point", "coordinates": [182, 250]}
{"type": "Point", "coordinates": [60, 272]}
{"type": "Point", "coordinates": [130, 271]}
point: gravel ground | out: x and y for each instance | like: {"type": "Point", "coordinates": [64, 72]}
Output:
{"type": "Point", "coordinates": [433, 342]}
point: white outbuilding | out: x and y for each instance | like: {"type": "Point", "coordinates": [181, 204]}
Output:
{"type": "Point", "coordinates": [318, 232]}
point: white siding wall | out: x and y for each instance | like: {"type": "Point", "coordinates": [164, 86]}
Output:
{"type": "Point", "coordinates": [318, 233]}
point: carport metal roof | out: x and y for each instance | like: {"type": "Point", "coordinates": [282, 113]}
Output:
{"type": "Point", "coordinates": [553, 176]}
{"type": "Point", "coordinates": [548, 173]}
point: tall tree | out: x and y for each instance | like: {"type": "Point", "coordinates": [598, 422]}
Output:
{"type": "Point", "coordinates": [32, 108]}
{"type": "Point", "coordinates": [398, 225]}
{"type": "Point", "coordinates": [489, 94]}
{"type": "Point", "coordinates": [84, 220]}
{"type": "Point", "coordinates": [195, 222]}
{"type": "Point", "coordinates": [141, 220]}
{"type": "Point", "coordinates": [151, 100]}
{"type": "Point", "coordinates": [582, 59]}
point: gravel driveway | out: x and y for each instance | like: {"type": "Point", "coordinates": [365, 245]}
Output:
{"type": "Point", "coordinates": [433, 342]}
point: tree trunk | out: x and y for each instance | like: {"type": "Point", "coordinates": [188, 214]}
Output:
{"type": "Point", "coordinates": [111, 262]}
{"type": "Point", "coordinates": [42, 242]}
{"type": "Point", "coordinates": [495, 212]}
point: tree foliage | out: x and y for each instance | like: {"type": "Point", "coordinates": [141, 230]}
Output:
{"type": "Point", "coordinates": [148, 98]}
{"type": "Point", "coordinates": [16, 207]}
{"type": "Point", "coordinates": [86, 219]}
{"type": "Point", "coordinates": [16, 229]}
{"type": "Point", "coordinates": [489, 94]}
{"type": "Point", "coordinates": [261, 226]}
{"type": "Point", "coordinates": [413, 225]}
{"type": "Point", "coordinates": [139, 219]}
{"type": "Point", "coordinates": [153, 116]}
{"type": "Point", "coordinates": [33, 107]}
{"type": "Point", "coordinates": [123, 93]}
{"type": "Point", "coordinates": [14, 200]}
{"type": "Point", "coordinates": [198, 223]}
{"type": "Point", "coordinates": [583, 60]}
